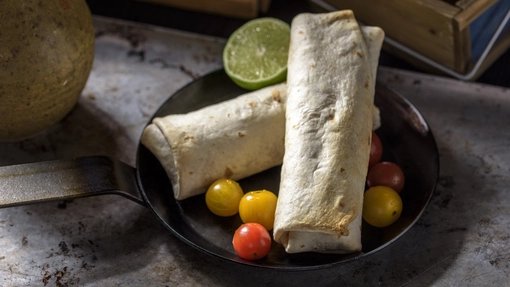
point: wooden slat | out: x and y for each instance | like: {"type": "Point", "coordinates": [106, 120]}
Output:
{"type": "Point", "coordinates": [462, 48]}
{"type": "Point", "coordinates": [463, 4]}
{"type": "Point", "coordinates": [470, 13]}
{"type": "Point", "coordinates": [244, 9]}
{"type": "Point", "coordinates": [264, 5]}
{"type": "Point", "coordinates": [462, 40]}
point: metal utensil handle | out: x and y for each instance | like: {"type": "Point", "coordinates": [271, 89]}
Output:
{"type": "Point", "coordinates": [66, 179]}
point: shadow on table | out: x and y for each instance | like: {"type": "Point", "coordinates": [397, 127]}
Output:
{"type": "Point", "coordinates": [85, 131]}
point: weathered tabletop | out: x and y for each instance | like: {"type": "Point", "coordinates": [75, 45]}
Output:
{"type": "Point", "coordinates": [461, 240]}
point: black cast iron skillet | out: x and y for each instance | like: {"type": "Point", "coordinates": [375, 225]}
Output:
{"type": "Point", "coordinates": [406, 138]}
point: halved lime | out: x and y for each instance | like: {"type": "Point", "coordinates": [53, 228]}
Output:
{"type": "Point", "coordinates": [256, 54]}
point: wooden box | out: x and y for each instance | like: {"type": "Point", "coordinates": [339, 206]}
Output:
{"type": "Point", "coordinates": [242, 9]}
{"type": "Point", "coordinates": [448, 34]}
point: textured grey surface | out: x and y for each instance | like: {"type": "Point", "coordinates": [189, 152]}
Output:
{"type": "Point", "coordinates": [461, 240]}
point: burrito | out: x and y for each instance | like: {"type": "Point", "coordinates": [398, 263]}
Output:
{"type": "Point", "coordinates": [232, 139]}
{"type": "Point", "coordinates": [330, 89]}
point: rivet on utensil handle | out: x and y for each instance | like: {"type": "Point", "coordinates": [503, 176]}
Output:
{"type": "Point", "coordinates": [66, 179]}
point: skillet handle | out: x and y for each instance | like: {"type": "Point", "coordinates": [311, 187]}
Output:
{"type": "Point", "coordinates": [66, 179]}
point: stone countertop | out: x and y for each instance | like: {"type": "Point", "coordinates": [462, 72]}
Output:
{"type": "Point", "coordinates": [461, 240]}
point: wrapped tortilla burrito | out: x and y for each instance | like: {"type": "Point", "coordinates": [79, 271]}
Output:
{"type": "Point", "coordinates": [331, 80]}
{"type": "Point", "coordinates": [232, 139]}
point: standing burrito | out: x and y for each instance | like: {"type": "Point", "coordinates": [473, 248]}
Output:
{"type": "Point", "coordinates": [330, 89]}
{"type": "Point", "coordinates": [232, 139]}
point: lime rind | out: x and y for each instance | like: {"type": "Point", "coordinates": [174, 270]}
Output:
{"type": "Point", "coordinates": [255, 55]}
{"type": "Point", "coordinates": [255, 85]}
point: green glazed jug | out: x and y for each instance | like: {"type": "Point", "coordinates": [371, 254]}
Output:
{"type": "Point", "coordinates": [46, 54]}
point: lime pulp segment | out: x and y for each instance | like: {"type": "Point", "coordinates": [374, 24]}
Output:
{"type": "Point", "coordinates": [256, 54]}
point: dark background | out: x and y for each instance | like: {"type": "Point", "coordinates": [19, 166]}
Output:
{"type": "Point", "coordinates": [219, 26]}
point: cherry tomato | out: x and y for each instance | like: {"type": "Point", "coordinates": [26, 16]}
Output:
{"type": "Point", "coordinates": [382, 206]}
{"type": "Point", "coordinates": [223, 196]}
{"type": "Point", "coordinates": [258, 206]}
{"type": "Point", "coordinates": [376, 150]}
{"type": "Point", "coordinates": [387, 174]}
{"type": "Point", "coordinates": [251, 241]}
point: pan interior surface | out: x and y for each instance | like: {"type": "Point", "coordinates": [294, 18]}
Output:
{"type": "Point", "coordinates": [407, 141]}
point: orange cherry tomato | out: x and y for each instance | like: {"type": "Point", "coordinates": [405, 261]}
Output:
{"type": "Point", "coordinates": [223, 196]}
{"type": "Point", "coordinates": [258, 206]}
{"type": "Point", "coordinates": [382, 206]}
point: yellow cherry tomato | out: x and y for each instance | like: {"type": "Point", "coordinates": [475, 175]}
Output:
{"type": "Point", "coordinates": [382, 206]}
{"type": "Point", "coordinates": [223, 196]}
{"type": "Point", "coordinates": [258, 206]}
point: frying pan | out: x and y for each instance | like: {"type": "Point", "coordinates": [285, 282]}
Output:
{"type": "Point", "coordinates": [406, 138]}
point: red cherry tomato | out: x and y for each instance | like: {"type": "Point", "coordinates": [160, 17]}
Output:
{"type": "Point", "coordinates": [251, 241]}
{"type": "Point", "coordinates": [386, 174]}
{"type": "Point", "coordinates": [376, 150]}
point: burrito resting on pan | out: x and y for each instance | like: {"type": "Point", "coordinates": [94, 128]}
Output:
{"type": "Point", "coordinates": [232, 139]}
{"type": "Point", "coordinates": [331, 84]}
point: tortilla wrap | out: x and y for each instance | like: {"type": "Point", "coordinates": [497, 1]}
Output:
{"type": "Point", "coordinates": [232, 139]}
{"type": "Point", "coordinates": [331, 83]}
